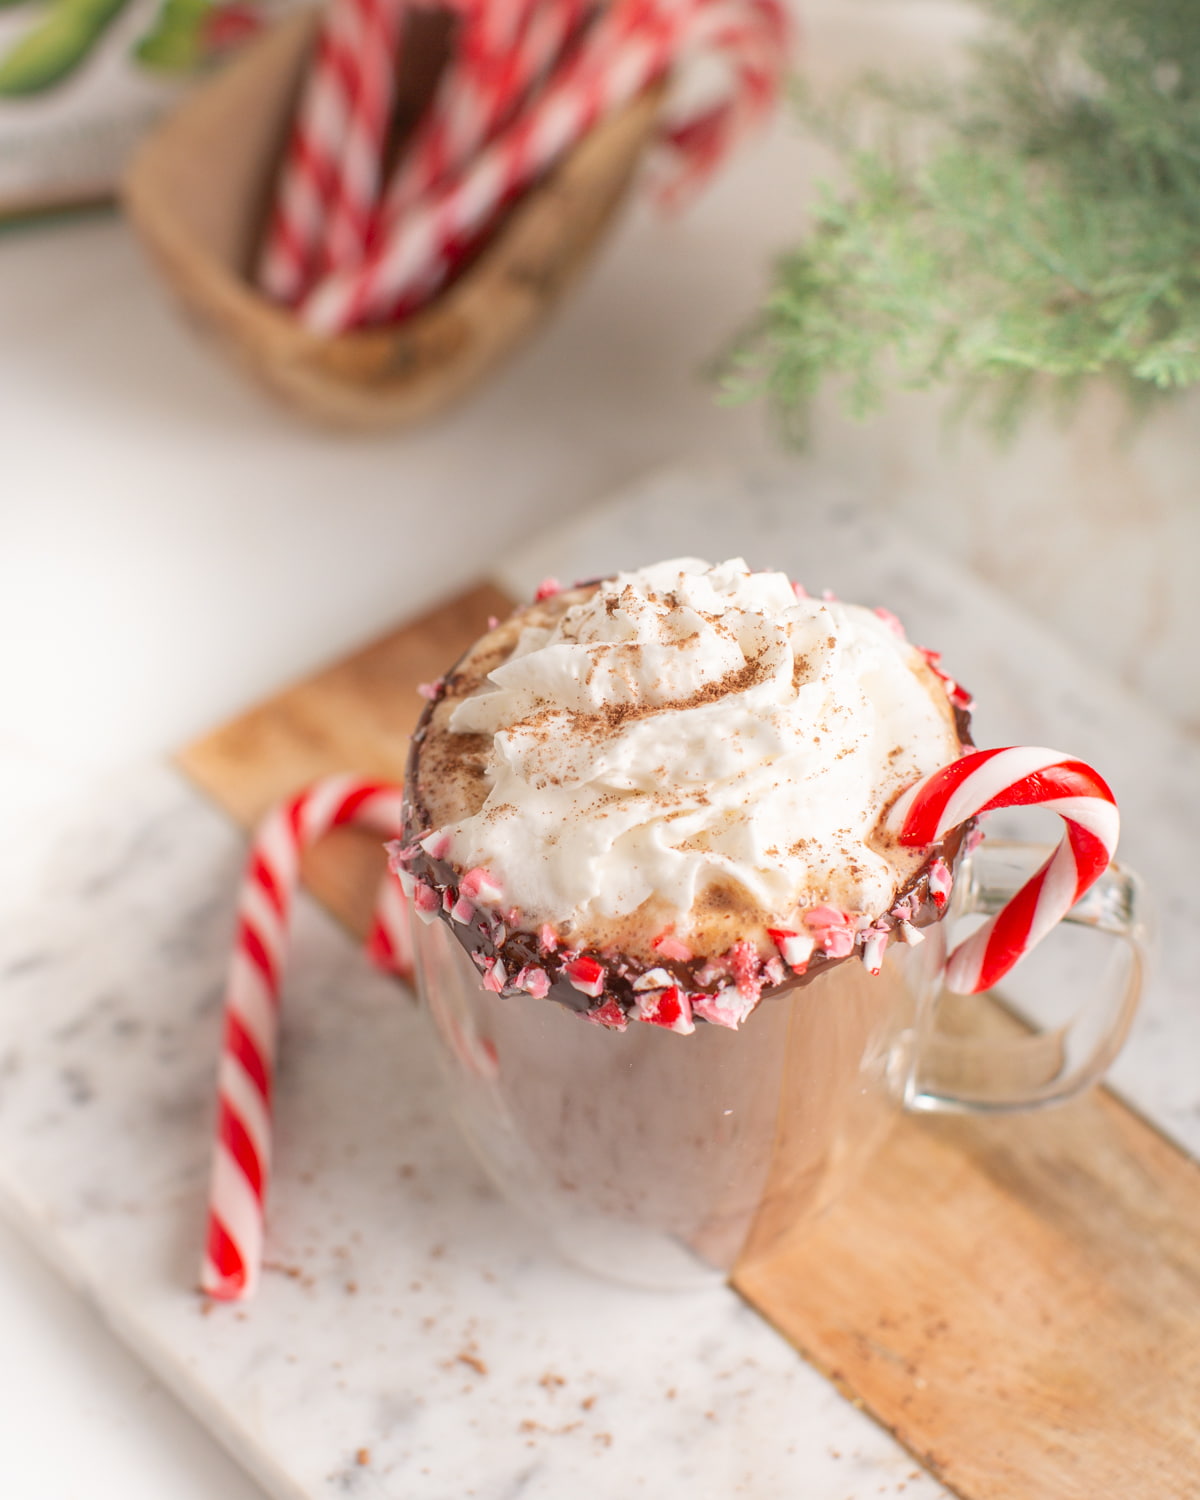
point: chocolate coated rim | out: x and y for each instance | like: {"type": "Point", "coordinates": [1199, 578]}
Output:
{"type": "Point", "coordinates": [489, 940]}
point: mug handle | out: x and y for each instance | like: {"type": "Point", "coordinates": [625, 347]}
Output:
{"type": "Point", "coordinates": [970, 1074]}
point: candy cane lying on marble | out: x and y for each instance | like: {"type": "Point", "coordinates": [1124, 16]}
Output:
{"type": "Point", "coordinates": [242, 1153]}
{"type": "Point", "coordinates": [1020, 776]}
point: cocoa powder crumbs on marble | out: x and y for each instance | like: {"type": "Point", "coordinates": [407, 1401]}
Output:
{"type": "Point", "coordinates": [206, 1308]}
{"type": "Point", "coordinates": [295, 1273]}
{"type": "Point", "coordinates": [473, 1361]}
{"type": "Point", "coordinates": [587, 1403]}
{"type": "Point", "coordinates": [672, 1393]}
{"type": "Point", "coordinates": [603, 1438]}
{"type": "Point", "coordinates": [550, 1381]}
{"type": "Point", "coordinates": [352, 1287]}
{"type": "Point", "coordinates": [363, 1457]}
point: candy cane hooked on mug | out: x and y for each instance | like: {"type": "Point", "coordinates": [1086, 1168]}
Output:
{"type": "Point", "coordinates": [1019, 776]}
{"type": "Point", "coordinates": [242, 1153]}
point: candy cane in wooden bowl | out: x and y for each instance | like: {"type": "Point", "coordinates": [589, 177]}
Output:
{"type": "Point", "coordinates": [1019, 776]}
{"type": "Point", "coordinates": [242, 1153]}
{"type": "Point", "coordinates": [494, 262]}
{"type": "Point", "coordinates": [199, 223]}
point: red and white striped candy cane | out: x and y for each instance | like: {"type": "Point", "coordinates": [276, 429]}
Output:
{"type": "Point", "coordinates": [307, 175]}
{"type": "Point", "coordinates": [1019, 776]}
{"type": "Point", "coordinates": [601, 78]}
{"type": "Point", "coordinates": [334, 155]}
{"type": "Point", "coordinates": [505, 53]}
{"type": "Point", "coordinates": [630, 46]}
{"type": "Point", "coordinates": [749, 39]}
{"type": "Point", "coordinates": [454, 127]}
{"type": "Point", "coordinates": [242, 1153]}
{"type": "Point", "coordinates": [358, 186]}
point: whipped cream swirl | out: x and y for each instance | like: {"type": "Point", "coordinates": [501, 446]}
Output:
{"type": "Point", "coordinates": [691, 738]}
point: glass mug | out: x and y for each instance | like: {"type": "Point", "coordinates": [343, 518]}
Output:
{"type": "Point", "coordinates": [662, 1160]}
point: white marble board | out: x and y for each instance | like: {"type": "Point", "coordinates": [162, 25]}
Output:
{"type": "Point", "coordinates": [412, 1337]}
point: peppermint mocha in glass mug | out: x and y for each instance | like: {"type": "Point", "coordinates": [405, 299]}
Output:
{"type": "Point", "coordinates": [661, 1158]}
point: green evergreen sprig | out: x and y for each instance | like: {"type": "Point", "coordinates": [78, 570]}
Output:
{"type": "Point", "coordinates": [1044, 229]}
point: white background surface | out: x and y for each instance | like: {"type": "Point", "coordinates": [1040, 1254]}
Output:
{"type": "Point", "coordinates": [171, 547]}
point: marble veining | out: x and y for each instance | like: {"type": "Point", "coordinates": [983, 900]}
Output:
{"type": "Point", "coordinates": [413, 1336]}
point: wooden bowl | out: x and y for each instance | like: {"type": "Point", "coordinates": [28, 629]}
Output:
{"type": "Point", "coordinates": [197, 191]}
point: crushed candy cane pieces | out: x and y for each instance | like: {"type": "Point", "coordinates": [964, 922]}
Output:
{"type": "Point", "coordinates": [668, 1008]}
{"type": "Point", "coordinates": [586, 974]}
{"type": "Point", "coordinates": [671, 948]}
{"type": "Point", "coordinates": [795, 948]}
{"type": "Point", "coordinates": [479, 886]}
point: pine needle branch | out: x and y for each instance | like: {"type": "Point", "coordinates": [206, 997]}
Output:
{"type": "Point", "coordinates": [1040, 222]}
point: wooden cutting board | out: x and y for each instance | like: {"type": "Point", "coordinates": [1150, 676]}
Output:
{"type": "Point", "coordinates": [1017, 1300]}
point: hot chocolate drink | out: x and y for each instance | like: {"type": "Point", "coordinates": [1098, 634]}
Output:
{"type": "Point", "coordinates": [661, 796]}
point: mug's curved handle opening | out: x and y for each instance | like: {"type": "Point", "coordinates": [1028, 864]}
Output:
{"type": "Point", "coordinates": [1015, 1068]}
